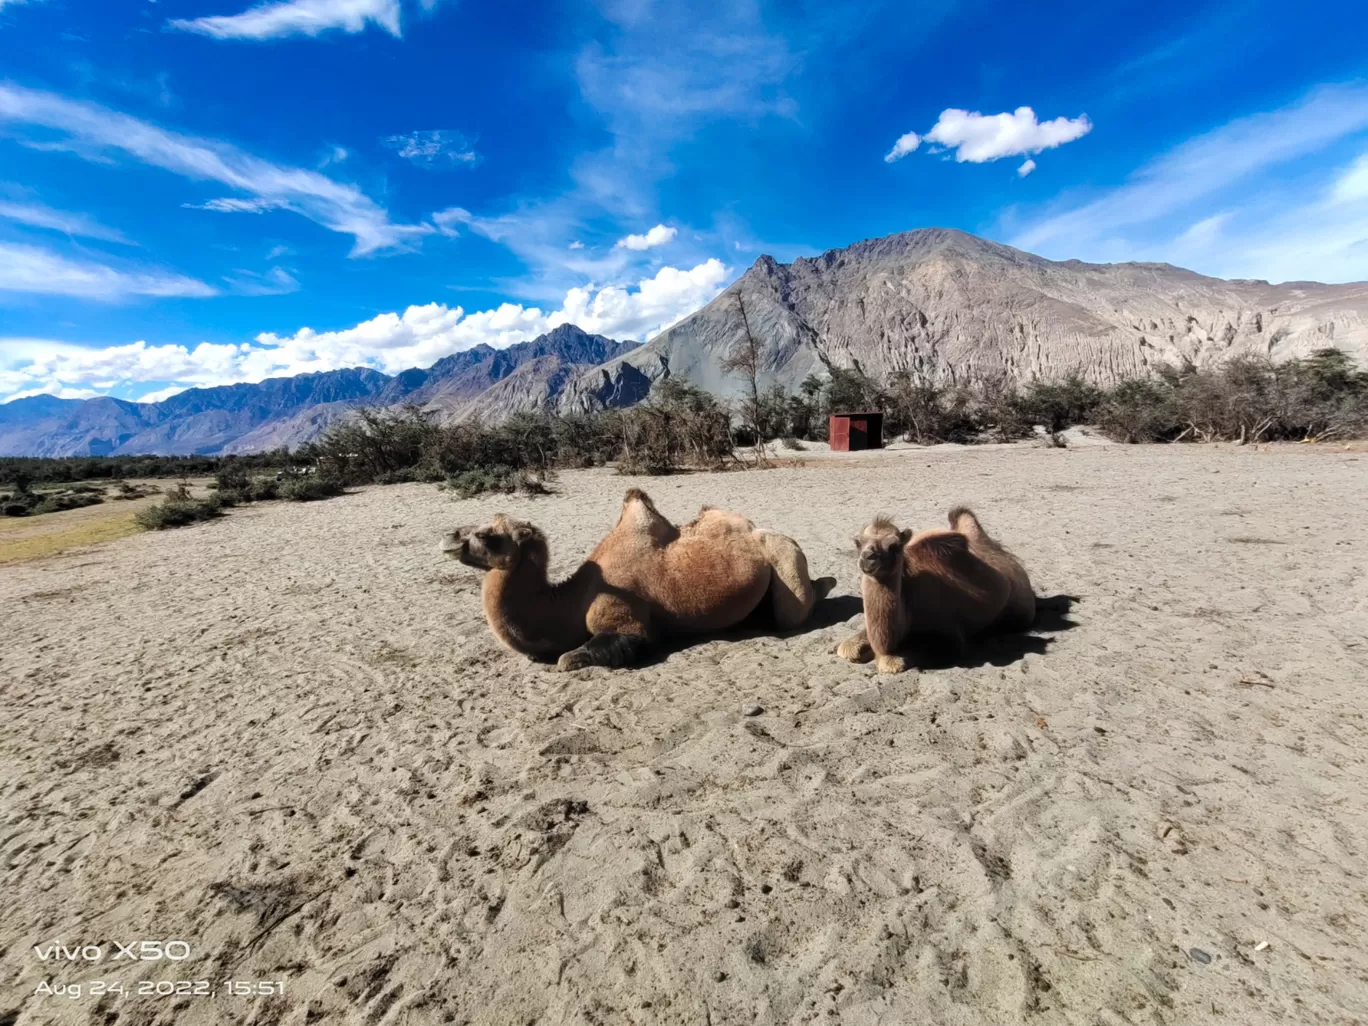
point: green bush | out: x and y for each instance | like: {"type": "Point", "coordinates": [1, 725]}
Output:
{"type": "Point", "coordinates": [177, 510]}
{"type": "Point", "coordinates": [471, 483]}
{"type": "Point", "coordinates": [60, 501]}
{"type": "Point", "coordinates": [310, 487]}
{"type": "Point", "coordinates": [1140, 411]}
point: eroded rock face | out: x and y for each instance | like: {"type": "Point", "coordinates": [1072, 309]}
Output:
{"type": "Point", "coordinates": [953, 308]}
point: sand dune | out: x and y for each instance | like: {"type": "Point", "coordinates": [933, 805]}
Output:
{"type": "Point", "coordinates": [287, 739]}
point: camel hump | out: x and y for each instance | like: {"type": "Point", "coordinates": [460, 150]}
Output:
{"type": "Point", "coordinates": [941, 545]}
{"type": "Point", "coordinates": [963, 520]}
{"type": "Point", "coordinates": [637, 495]}
{"type": "Point", "coordinates": [640, 516]}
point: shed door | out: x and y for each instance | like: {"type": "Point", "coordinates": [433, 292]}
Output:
{"type": "Point", "coordinates": [859, 433]}
{"type": "Point", "coordinates": [840, 434]}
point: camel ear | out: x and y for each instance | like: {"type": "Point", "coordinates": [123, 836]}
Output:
{"type": "Point", "coordinates": [905, 536]}
{"type": "Point", "coordinates": [521, 533]}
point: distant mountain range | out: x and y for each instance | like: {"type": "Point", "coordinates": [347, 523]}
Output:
{"type": "Point", "coordinates": [290, 411]}
{"type": "Point", "coordinates": [942, 305]}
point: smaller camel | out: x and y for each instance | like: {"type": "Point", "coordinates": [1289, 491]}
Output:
{"type": "Point", "coordinates": [645, 579]}
{"type": "Point", "coordinates": [949, 585]}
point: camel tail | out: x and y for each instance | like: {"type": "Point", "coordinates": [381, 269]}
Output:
{"type": "Point", "coordinates": [963, 520]}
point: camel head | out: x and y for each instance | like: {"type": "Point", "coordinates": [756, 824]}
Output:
{"type": "Point", "coordinates": [880, 546]}
{"type": "Point", "coordinates": [502, 545]}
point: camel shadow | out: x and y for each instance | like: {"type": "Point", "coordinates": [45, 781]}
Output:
{"type": "Point", "coordinates": [1052, 616]}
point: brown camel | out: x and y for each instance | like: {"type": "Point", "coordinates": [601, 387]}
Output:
{"type": "Point", "coordinates": [645, 579]}
{"type": "Point", "coordinates": [948, 584]}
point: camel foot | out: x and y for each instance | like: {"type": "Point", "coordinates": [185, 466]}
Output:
{"type": "Point", "coordinates": [823, 586]}
{"type": "Point", "coordinates": [855, 649]}
{"type": "Point", "coordinates": [890, 664]}
{"type": "Point", "coordinates": [607, 649]}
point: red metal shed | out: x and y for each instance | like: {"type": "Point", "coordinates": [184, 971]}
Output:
{"type": "Point", "coordinates": [859, 430]}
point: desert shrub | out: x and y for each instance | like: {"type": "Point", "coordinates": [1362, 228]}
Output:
{"type": "Point", "coordinates": [124, 490]}
{"type": "Point", "coordinates": [677, 427]}
{"type": "Point", "coordinates": [1140, 410]}
{"type": "Point", "coordinates": [471, 483]}
{"type": "Point", "coordinates": [790, 442]}
{"type": "Point", "coordinates": [1060, 404]}
{"type": "Point", "coordinates": [265, 488]}
{"type": "Point", "coordinates": [12, 508]}
{"type": "Point", "coordinates": [927, 414]}
{"type": "Point", "coordinates": [584, 439]}
{"type": "Point", "coordinates": [57, 502]}
{"type": "Point", "coordinates": [375, 443]}
{"type": "Point", "coordinates": [178, 509]}
{"type": "Point", "coordinates": [310, 487]}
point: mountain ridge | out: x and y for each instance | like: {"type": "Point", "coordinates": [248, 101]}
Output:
{"type": "Point", "coordinates": [938, 304]}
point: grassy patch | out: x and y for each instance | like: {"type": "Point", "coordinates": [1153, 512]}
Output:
{"type": "Point", "coordinates": [59, 534]}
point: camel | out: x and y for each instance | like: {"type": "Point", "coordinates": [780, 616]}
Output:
{"type": "Point", "coordinates": [947, 584]}
{"type": "Point", "coordinates": [646, 579]}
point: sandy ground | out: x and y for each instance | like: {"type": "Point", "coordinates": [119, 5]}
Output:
{"type": "Point", "coordinates": [287, 739]}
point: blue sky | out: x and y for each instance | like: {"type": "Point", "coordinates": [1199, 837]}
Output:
{"type": "Point", "coordinates": [201, 191]}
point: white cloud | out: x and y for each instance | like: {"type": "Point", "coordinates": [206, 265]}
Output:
{"type": "Point", "coordinates": [657, 236]}
{"type": "Point", "coordinates": [160, 394]}
{"type": "Point", "coordinates": [438, 150]}
{"type": "Point", "coordinates": [38, 216]}
{"type": "Point", "coordinates": [906, 144]}
{"type": "Point", "coordinates": [297, 17]}
{"type": "Point", "coordinates": [576, 245]}
{"type": "Point", "coordinates": [390, 342]}
{"type": "Point", "coordinates": [1306, 227]}
{"type": "Point", "coordinates": [278, 251]}
{"type": "Point", "coordinates": [977, 138]}
{"type": "Point", "coordinates": [91, 131]}
{"type": "Point", "coordinates": [34, 270]}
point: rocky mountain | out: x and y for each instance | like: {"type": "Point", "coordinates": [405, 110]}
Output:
{"type": "Point", "coordinates": [290, 411]}
{"type": "Point", "coordinates": [949, 307]}
{"type": "Point", "coordinates": [942, 305]}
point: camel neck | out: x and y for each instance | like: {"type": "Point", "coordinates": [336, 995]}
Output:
{"type": "Point", "coordinates": [532, 615]}
{"type": "Point", "coordinates": [884, 625]}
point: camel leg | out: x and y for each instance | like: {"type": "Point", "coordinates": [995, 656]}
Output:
{"type": "Point", "coordinates": [856, 649]}
{"type": "Point", "coordinates": [894, 663]}
{"type": "Point", "coordinates": [608, 649]}
{"type": "Point", "coordinates": [791, 588]}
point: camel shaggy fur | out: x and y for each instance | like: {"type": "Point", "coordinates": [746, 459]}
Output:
{"type": "Point", "coordinates": [947, 584]}
{"type": "Point", "coordinates": [647, 578]}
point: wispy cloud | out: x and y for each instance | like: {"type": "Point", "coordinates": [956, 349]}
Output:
{"type": "Point", "coordinates": [275, 282]}
{"type": "Point", "coordinates": [977, 138]}
{"type": "Point", "coordinates": [92, 132]}
{"type": "Point", "coordinates": [438, 150]}
{"type": "Point", "coordinates": [35, 215]}
{"type": "Point", "coordinates": [234, 205]}
{"type": "Point", "coordinates": [657, 236]}
{"type": "Point", "coordinates": [1172, 193]}
{"type": "Point", "coordinates": [34, 270]}
{"type": "Point", "coordinates": [295, 18]}
{"type": "Point", "coordinates": [391, 342]}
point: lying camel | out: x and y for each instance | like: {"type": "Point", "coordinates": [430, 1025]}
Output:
{"type": "Point", "coordinates": [948, 584]}
{"type": "Point", "coordinates": [645, 579]}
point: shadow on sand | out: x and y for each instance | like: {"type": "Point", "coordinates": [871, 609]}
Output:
{"type": "Point", "coordinates": [1052, 616]}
